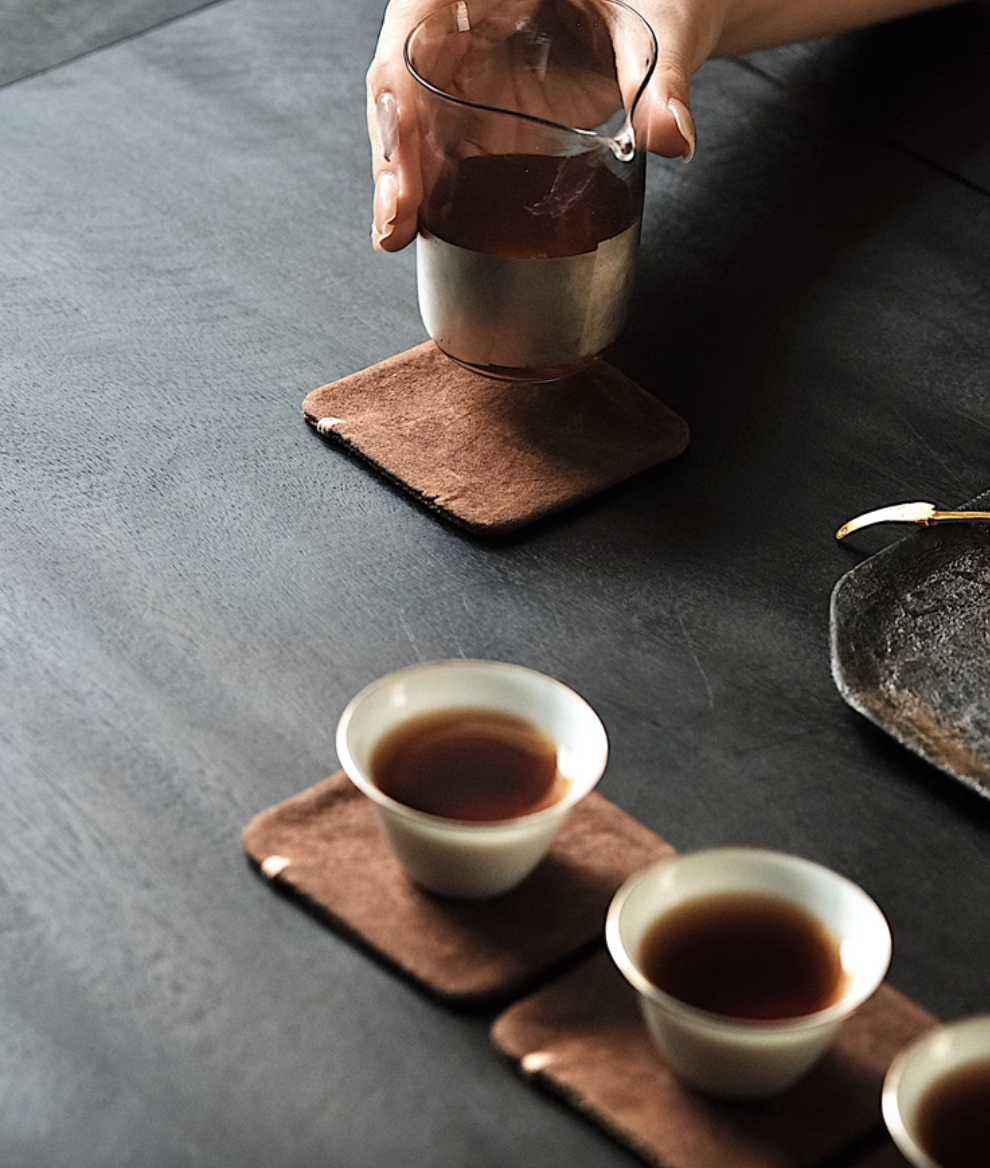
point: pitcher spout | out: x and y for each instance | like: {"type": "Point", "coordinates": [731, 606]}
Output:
{"type": "Point", "coordinates": [623, 145]}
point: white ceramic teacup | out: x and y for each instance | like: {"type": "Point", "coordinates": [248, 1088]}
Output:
{"type": "Point", "coordinates": [921, 1065]}
{"type": "Point", "coordinates": [729, 1056]}
{"type": "Point", "coordinates": [473, 860]}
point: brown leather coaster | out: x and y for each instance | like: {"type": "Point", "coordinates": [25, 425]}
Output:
{"type": "Point", "coordinates": [886, 1156]}
{"type": "Point", "coordinates": [583, 1037]}
{"type": "Point", "coordinates": [494, 455]}
{"type": "Point", "coordinates": [325, 847]}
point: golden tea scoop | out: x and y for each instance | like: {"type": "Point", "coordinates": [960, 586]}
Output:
{"type": "Point", "coordinates": [923, 513]}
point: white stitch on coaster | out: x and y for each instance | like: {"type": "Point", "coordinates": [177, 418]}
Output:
{"type": "Point", "coordinates": [275, 866]}
{"type": "Point", "coordinates": [535, 1061]}
{"type": "Point", "coordinates": [325, 425]}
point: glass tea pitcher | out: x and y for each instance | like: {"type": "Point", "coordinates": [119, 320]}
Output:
{"type": "Point", "coordinates": [532, 184]}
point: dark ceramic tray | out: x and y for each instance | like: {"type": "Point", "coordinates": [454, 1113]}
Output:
{"type": "Point", "coordinates": [910, 644]}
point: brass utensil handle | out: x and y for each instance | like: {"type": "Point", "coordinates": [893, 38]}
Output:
{"type": "Point", "coordinates": [955, 516]}
{"type": "Point", "coordinates": [924, 514]}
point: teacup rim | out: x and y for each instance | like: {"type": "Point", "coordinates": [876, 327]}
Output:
{"type": "Point", "coordinates": [575, 793]}
{"type": "Point", "coordinates": [827, 1016]}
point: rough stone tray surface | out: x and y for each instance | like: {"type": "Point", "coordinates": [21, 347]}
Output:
{"type": "Point", "coordinates": [910, 644]}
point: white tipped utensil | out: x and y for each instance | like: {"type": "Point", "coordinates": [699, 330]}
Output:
{"type": "Point", "coordinates": [924, 513]}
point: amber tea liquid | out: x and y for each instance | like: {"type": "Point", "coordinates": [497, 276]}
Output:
{"type": "Point", "coordinates": [751, 956]}
{"type": "Point", "coordinates": [953, 1121]}
{"type": "Point", "coordinates": [473, 765]}
{"type": "Point", "coordinates": [526, 261]}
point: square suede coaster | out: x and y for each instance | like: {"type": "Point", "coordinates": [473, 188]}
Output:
{"type": "Point", "coordinates": [494, 455]}
{"type": "Point", "coordinates": [886, 1156]}
{"type": "Point", "coordinates": [325, 847]}
{"type": "Point", "coordinates": [584, 1038]}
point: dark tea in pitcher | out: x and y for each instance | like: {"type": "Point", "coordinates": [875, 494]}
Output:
{"type": "Point", "coordinates": [526, 261]}
{"type": "Point", "coordinates": [529, 206]}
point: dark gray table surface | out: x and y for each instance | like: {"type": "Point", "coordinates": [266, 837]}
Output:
{"type": "Point", "coordinates": [193, 584]}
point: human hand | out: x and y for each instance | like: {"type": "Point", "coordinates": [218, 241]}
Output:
{"type": "Point", "coordinates": [687, 31]}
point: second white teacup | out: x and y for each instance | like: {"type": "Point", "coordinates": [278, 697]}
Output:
{"type": "Point", "coordinates": [734, 1056]}
{"type": "Point", "coordinates": [935, 1096]}
{"type": "Point", "coordinates": [457, 857]}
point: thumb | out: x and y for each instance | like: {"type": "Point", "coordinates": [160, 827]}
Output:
{"type": "Point", "coordinates": [664, 123]}
{"type": "Point", "coordinates": [685, 38]}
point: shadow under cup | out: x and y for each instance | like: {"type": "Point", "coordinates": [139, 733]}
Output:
{"type": "Point", "coordinates": [468, 859]}
{"type": "Point", "coordinates": [532, 187]}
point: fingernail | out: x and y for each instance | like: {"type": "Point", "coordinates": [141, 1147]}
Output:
{"type": "Point", "coordinates": [386, 201]}
{"type": "Point", "coordinates": [685, 126]}
{"type": "Point", "coordinates": [387, 121]}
